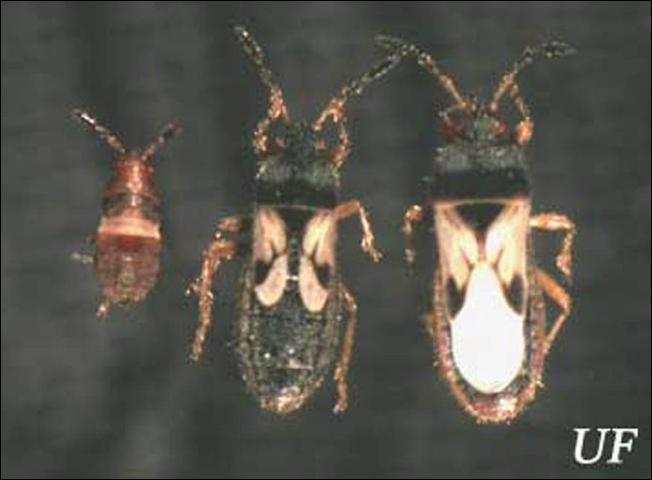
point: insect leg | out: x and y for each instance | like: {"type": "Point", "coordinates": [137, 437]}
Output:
{"type": "Point", "coordinates": [347, 209]}
{"type": "Point", "coordinates": [88, 259]}
{"type": "Point", "coordinates": [561, 298]}
{"type": "Point", "coordinates": [83, 258]}
{"type": "Point", "coordinates": [342, 368]}
{"type": "Point", "coordinates": [103, 132]}
{"type": "Point", "coordinates": [553, 222]}
{"type": "Point", "coordinates": [219, 250]}
{"type": "Point", "coordinates": [103, 308]}
{"type": "Point", "coordinates": [412, 215]}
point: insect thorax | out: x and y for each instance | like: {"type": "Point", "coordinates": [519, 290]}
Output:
{"type": "Point", "coordinates": [290, 180]}
{"type": "Point", "coordinates": [131, 189]}
{"type": "Point", "coordinates": [468, 170]}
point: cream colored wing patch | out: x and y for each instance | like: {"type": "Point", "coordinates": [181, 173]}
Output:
{"type": "Point", "coordinates": [269, 236]}
{"type": "Point", "coordinates": [271, 289]}
{"type": "Point", "coordinates": [506, 241]}
{"type": "Point", "coordinates": [313, 293]}
{"type": "Point", "coordinates": [457, 243]}
{"type": "Point", "coordinates": [270, 255]}
{"type": "Point", "coordinates": [318, 252]}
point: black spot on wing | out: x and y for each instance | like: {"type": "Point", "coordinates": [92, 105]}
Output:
{"type": "Point", "coordinates": [454, 297]}
{"type": "Point", "coordinates": [261, 270]}
{"type": "Point", "coordinates": [323, 275]}
{"type": "Point", "coordinates": [515, 293]}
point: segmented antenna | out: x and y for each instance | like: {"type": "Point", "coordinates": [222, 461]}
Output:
{"type": "Point", "coordinates": [507, 83]}
{"type": "Point", "coordinates": [376, 72]}
{"type": "Point", "coordinates": [335, 107]}
{"type": "Point", "coordinates": [277, 106]}
{"type": "Point", "coordinates": [167, 133]}
{"type": "Point", "coordinates": [425, 60]}
{"type": "Point", "coordinates": [255, 53]}
{"type": "Point", "coordinates": [103, 132]}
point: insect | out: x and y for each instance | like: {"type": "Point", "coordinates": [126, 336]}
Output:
{"type": "Point", "coordinates": [488, 322]}
{"type": "Point", "coordinates": [291, 302]}
{"type": "Point", "coordinates": [128, 238]}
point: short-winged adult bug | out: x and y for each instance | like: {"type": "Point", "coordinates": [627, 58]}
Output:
{"type": "Point", "coordinates": [291, 303]}
{"type": "Point", "coordinates": [488, 316]}
{"type": "Point", "coordinates": [128, 238]}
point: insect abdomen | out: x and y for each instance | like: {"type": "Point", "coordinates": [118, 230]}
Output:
{"type": "Point", "coordinates": [284, 351]}
{"type": "Point", "coordinates": [126, 266]}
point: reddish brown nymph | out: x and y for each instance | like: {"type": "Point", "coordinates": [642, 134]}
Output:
{"type": "Point", "coordinates": [128, 238]}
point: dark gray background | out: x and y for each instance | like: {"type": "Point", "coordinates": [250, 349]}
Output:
{"type": "Point", "coordinates": [85, 397]}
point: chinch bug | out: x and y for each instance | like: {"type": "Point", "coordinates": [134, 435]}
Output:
{"type": "Point", "coordinates": [488, 318]}
{"type": "Point", "coordinates": [291, 301]}
{"type": "Point", "coordinates": [128, 238]}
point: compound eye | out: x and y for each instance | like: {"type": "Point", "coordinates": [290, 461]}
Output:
{"type": "Point", "coordinates": [498, 127]}
{"type": "Point", "coordinates": [450, 128]}
{"type": "Point", "coordinates": [523, 132]}
{"type": "Point", "coordinates": [328, 136]}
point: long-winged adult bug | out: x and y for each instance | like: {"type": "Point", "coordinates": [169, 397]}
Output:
{"type": "Point", "coordinates": [128, 238]}
{"type": "Point", "coordinates": [488, 319]}
{"type": "Point", "coordinates": [291, 302]}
